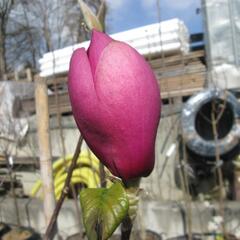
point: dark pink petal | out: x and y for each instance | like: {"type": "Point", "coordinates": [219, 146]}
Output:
{"type": "Point", "coordinates": [98, 43]}
{"type": "Point", "coordinates": [128, 90]}
{"type": "Point", "coordinates": [86, 109]}
{"type": "Point", "coordinates": [81, 87]}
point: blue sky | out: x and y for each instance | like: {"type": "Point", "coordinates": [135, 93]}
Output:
{"type": "Point", "coordinates": [127, 14]}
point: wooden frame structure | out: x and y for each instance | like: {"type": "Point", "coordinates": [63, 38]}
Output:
{"type": "Point", "coordinates": [179, 76]}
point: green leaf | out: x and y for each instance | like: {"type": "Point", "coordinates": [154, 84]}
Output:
{"type": "Point", "coordinates": [90, 18]}
{"type": "Point", "coordinates": [103, 210]}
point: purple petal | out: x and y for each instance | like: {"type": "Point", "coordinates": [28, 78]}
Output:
{"type": "Point", "coordinates": [81, 86]}
{"type": "Point", "coordinates": [99, 42]}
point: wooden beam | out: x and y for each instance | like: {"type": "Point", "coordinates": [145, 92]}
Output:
{"type": "Point", "coordinates": [160, 65]}
{"type": "Point", "coordinates": [183, 85]}
{"type": "Point", "coordinates": [182, 93]}
{"type": "Point", "coordinates": [176, 59]}
{"type": "Point", "coordinates": [182, 82]}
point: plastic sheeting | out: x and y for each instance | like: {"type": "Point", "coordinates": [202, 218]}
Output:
{"type": "Point", "coordinates": [225, 76]}
{"type": "Point", "coordinates": [12, 130]}
{"type": "Point", "coordinates": [167, 37]}
{"type": "Point", "coordinates": [222, 21]}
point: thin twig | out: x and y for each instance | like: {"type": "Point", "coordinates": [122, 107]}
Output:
{"type": "Point", "coordinates": [219, 170]}
{"type": "Point", "coordinates": [187, 194]}
{"type": "Point", "coordinates": [7, 139]}
{"type": "Point", "coordinates": [49, 232]}
{"type": "Point", "coordinates": [102, 175]}
{"type": "Point", "coordinates": [60, 127]}
{"type": "Point", "coordinates": [10, 172]}
{"type": "Point", "coordinates": [184, 181]}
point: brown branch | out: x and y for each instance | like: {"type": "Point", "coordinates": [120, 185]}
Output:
{"type": "Point", "coordinates": [6, 139]}
{"type": "Point", "coordinates": [12, 188]}
{"type": "Point", "coordinates": [185, 187]}
{"type": "Point", "coordinates": [219, 169]}
{"type": "Point", "coordinates": [126, 228]}
{"type": "Point", "coordinates": [49, 232]}
{"type": "Point", "coordinates": [102, 175]}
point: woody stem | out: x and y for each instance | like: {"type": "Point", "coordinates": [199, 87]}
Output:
{"type": "Point", "coordinates": [132, 188]}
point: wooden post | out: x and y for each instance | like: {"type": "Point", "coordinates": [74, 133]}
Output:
{"type": "Point", "coordinates": [29, 74]}
{"type": "Point", "coordinates": [5, 77]}
{"type": "Point", "coordinates": [42, 114]}
{"type": "Point", "coordinates": [16, 77]}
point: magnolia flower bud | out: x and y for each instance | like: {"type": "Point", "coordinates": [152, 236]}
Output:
{"type": "Point", "coordinates": [116, 104]}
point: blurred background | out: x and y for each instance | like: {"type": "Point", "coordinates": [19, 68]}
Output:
{"type": "Point", "coordinates": [193, 48]}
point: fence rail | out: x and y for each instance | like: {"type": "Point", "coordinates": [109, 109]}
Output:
{"type": "Point", "coordinates": [25, 75]}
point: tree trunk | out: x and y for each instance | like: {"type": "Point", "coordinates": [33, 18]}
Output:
{"type": "Point", "coordinates": [47, 35]}
{"type": "Point", "coordinates": [30, 38]}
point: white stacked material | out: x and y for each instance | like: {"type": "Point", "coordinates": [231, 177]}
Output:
{"type": "Point", "coordinates": [167, 37]}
